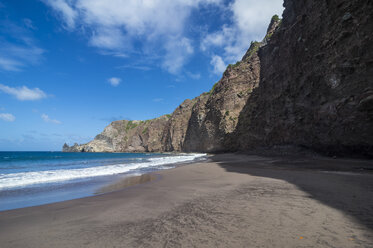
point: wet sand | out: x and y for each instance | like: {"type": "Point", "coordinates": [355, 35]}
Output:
{"type": "Point", "coordinates": [127, 182]}
{"type": "Point", "coordinates": [230, 201]}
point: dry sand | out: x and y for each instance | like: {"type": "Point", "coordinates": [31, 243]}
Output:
{"type": "Point", "coordinates": [230, 201]}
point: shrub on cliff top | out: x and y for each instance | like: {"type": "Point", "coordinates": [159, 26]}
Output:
{"type": "Point", "coordinates": [275, 18]}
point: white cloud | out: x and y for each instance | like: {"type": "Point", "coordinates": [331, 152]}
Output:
{"type": "Point", "coordinates": [7, 117]}
{"type": "Point", "coordinates": [218, 64]}
{"type": "Point", "coordinates": [135, 67]}
{"type": "Point", "coordinates": [159, 30]}
{"type": "Point", "coordinates": [114, 81]}
{"type": "Point", "coordinates": [8, 64]}
{"type": "Point", "coordinates": [23, 93]}
{"type": "Point", "coordinates": [49, 120]}
{"type": "Point", "coordinates": [64, 9]}
{"type": "Point", "coordinates": [250, 19]}
{"type": "Point", "coordinates": [177, 52]}
{"type": "Point", "coordinates": [133, 26]}
{"type": "Point", "coordinates": [109, 38]}
{"type": "Point", "coordinates": [15, 57]}
{"type": "Point", "coordinates": [158, 99]}
{"type": "Point", "coordinates": [194, 76]}
{"type": "Point", "coordinates": [220, 38]}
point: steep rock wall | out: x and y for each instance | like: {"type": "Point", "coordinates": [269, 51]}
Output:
{"type": "Point", "coordinates": [211, 121]}
{"type": "Point", "coordinates": [176, 128]}
{"type": "Point", "coordinates": [216, 116]}
{"type": "Point", "coordinates": [316, 87]}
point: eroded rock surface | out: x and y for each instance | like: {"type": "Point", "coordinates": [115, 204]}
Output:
{"type": "Point", "coordinates": [126, 136]}
{"type": "Point", "coordinates": [316, 86]}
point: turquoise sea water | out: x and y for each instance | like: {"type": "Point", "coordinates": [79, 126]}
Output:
{"type": "Point", "coordinates": [35, 178]}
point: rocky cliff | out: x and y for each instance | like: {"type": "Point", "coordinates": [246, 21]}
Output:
{"type": "Point", "coordinates": [213, 120]}
{"type": "Point", "coordinates": [126, 136]}
{"type": "Point", "coordinates": [316, 86]}
{"type": "Point", "coordinates": [309, 83]}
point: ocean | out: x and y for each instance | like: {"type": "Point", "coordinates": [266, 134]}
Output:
{"type": "Point", "coordinates": [36, 178]}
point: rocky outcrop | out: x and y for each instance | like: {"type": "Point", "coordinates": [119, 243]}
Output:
{"type": "Point", "coordinates": [309, 83]}
{"type": "Point", "coordinates": [126, 136]}
{"type": "Point", "coordinates": [176, 128]}
{"type": "Point", "coordinates": [74, 148]}
{"type": "Point", "coordinates": [316, 85]}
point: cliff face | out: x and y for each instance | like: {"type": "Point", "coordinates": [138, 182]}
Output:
{"type": "Point", "coordinates": [316, 87]}
{"type": "Point", "coordinates": [309, 83]}
{"type": "Point", "coordinates": [211, 122]}
{"type": "Point", "coordinates": [126, 136]}
{"type": "Point", "coordinates": [175, 130]}
{"type": "Point", "coordinates": [216, 116]}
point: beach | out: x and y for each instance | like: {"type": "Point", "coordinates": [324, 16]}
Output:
{"type": "Point", "coordinates": [231, 200]}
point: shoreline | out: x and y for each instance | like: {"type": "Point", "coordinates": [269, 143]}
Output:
{"type": "Point", "coordinates": [81, 181]}
{"type": "Point", "coordinates": [138, 180]}
{"type": "Point", "coordinates": [229, 200]}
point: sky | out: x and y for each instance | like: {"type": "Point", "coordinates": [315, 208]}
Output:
{"type": "Point", "coordinates": [70, 67]}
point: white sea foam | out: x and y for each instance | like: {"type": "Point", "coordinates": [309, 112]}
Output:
{"type": "Point", "coordinates": [28, 178]}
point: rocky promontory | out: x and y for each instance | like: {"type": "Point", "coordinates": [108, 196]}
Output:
{"type": "Point", "coordinates": [308, 84]}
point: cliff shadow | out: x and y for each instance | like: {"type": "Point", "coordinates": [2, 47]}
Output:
{"type": "Point", "coordinates": [343, 184]}
{"type": "Point", "coordinates": [306, 95]}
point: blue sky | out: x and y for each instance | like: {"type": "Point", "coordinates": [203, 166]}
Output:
{"type": "Point", "coordinates": [70, 67]}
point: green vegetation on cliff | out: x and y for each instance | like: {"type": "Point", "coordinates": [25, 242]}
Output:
{"type": "Point", "coordinates": [131, 125]}
{"type": "Point", "coordinates": [254, 47]}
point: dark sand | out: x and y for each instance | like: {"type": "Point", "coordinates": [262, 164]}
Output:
{"type": "Point", "coordinates": [232, 201]}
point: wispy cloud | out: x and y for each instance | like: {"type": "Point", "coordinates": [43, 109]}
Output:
{"type": "Point", "coordinates": [177, 52]}
{"type": "Point", "coordinates": [64, 10]}
{"type": "Point", "coordinates": [218, 64]}
{"type": "Point", "coordinates": [194, 76]}
{"type": "Point", "coordinates": [135, 67]}
{"type": "Point", "coordinates": [158, 100]}
{"type": "Point", "coordinates": [114, 81]}
{"type": "Point", "coordinates": [49, 120]}
{"type": "Point", "coordinates": [113, 53]}
{"type": "Point", "coordinates": [132, 26]}
{"type": "Point", "coordinates": [18, 50]}
{"type": "Point", "coordinates": [9, 64]}
{"type": "Point", "coordinates": [29, 24]}
{"type": "Point", "coordinates": [23, 93]}
{"type": "Point", "coordinates": [7, 117]}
